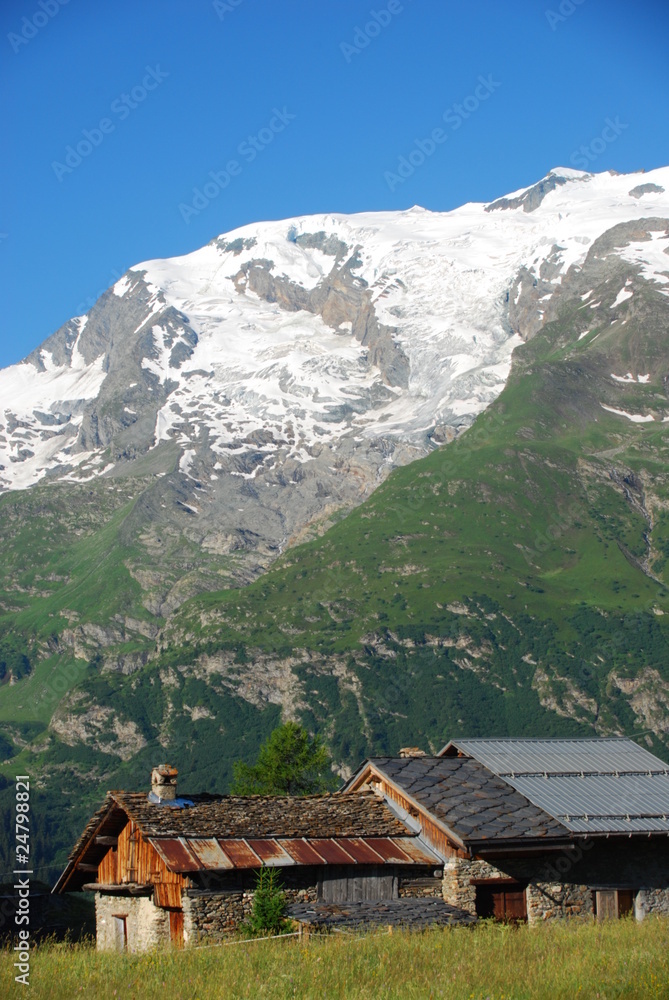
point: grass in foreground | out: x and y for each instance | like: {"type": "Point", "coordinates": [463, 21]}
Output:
{"type": "Point", "coordinates": [490, 962]}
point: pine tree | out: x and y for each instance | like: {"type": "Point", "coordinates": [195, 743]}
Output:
{"type": "Point", "coordinates": [290, 762]}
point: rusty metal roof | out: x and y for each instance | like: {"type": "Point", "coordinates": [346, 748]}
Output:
{"type": "Point", "coordinates": [177, 855]}
{"type": "Point", "coordinates": [186, 856]}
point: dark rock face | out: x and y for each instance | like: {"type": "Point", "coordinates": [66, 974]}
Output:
{"type": "Point", "coordinates": [530, 200]}
{"type": "Point", "coordinates": [642, 189]}
{"type": "Point", "coordinates": [341, 297]}
{"type": "Point", "coordinates": [535, 298]}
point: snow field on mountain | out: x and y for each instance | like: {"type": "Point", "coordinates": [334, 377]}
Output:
{"type": "Point", "coordinates": [281, 383]}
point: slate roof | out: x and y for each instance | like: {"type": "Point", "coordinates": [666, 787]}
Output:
{"type": "Point", "coordinates": [471, 801]}
{"type": "Point", "coordinates": [598, 785]}
{"type": "Point", "coordinates": [334, 815]}
{"type": "Point", "coordinates": [416, 914]}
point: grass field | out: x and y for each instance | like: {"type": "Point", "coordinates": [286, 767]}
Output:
{"type": "Point", "coordinates": [490, 962]}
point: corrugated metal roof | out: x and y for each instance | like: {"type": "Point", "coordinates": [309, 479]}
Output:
{"type": "Point", "coordinates": [361, 851]}
{"type": "Point", "coordinates": [200, 855]}
{"type": "Point", "coordinates": [608, 785]}
{"type": "Point", "coordinates": [332, 852]}
{"type": "Point", "coordinates": [302, 851]}
{"type": "Point", "coordinates": [537, 756]}
{"type": "Point", "coordinates": [271, 852]}
{"type": "Point", "coordinates": [241, 855]}
{"type": "Point", "coordinates": [177, 855]}
{"type": "Point", "coordinates": [390, 850]}
{"type": "Point", "coordinates": [208, 852]}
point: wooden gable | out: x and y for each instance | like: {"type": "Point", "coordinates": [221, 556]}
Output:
{"type": "Point", "coordinates": [134, 861]}
{"type": "Point", "coordinates": [433, 832]}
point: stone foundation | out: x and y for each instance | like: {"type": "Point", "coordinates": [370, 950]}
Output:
{"type": "Point", "coordinates": [563, 885]}
{"type": "Point", "coordinates": [147, 926]}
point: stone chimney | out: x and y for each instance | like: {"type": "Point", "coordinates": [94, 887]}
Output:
{"type": "Point", "coordinates": [164, 783]}
{"type": "Point", "coordinates": [412, 752]}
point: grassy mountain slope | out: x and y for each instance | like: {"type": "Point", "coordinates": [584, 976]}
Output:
{"type": "Point", "coordinates": [512, 581]}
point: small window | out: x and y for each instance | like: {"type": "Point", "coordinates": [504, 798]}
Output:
{"type": "Point", "coordinates": [610, 904]}
{"type": "Point", "coordinates": [120, 933]}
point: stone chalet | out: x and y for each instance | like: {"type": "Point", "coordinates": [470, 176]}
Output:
{"type": "Point", "coordinates": [513, 829]}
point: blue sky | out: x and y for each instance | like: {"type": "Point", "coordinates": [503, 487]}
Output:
{"type": "Point", "coordinates": [313, 102]}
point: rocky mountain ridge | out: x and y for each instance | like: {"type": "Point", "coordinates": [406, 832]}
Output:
{"type": "Point", "coordinates": [275, 377]}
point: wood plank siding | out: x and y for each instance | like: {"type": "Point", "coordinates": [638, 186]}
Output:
{"type": "Point", "coordinates": [134, 860]}
{"type": "Point", "coordinates": [339, 884]}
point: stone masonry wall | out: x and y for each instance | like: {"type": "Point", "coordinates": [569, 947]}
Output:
{"type": "Point", "coordinates": [219, 908]}
{"type": "Point", "coordinates": [545, 899]}
{"type": "Point", "coordinates": [419, 887]}
{"type": "Point", "coordinates": [214, 913]}
{"type": "Point", "coordinates": [147, 925]}
{"type": "Point", "coordinates": [563, 885]}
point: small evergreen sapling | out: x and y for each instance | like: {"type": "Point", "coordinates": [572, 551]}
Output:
{"type": "Point", "coordinates": [269, 905]}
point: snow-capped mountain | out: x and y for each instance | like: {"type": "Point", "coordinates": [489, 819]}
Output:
{"type": "Point", "coordinates": [281, 371]}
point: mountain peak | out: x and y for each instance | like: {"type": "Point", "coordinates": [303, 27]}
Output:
{"type": "Point", "coordinates": [300, 343]}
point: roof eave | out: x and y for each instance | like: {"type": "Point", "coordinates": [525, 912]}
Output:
{"type": "Point", "coordinates": [519, 845]}
{"type": "Point", "coordinates": [80, 850]}
{"type": "Point", "coordinates": [457, 841]}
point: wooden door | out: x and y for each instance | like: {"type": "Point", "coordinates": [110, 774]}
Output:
{"type": "Point", "coordinates": [340, 885]}
{"type": "Point", "coordinates": [504, 903]}
{"type": "Point", "coordinates": [120, 933]}
{"type": "Point", "coordinates": [613, 903]}
{"type": "Point", "coordinates": [177, 928]}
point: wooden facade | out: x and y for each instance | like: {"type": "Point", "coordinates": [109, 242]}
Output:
{"type": "Point", "coordinates": [338, 884]}
{"type": "Point", "coordinates": [134, 861]}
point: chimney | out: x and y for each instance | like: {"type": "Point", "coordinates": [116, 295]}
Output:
{"type": "Point", "coordinates": [164, 783]}
{"type": "Point", "coordinates": [412, 752]}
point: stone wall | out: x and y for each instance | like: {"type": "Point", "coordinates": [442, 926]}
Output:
{"type": "Point", "coordinates": [651, 902]}
{"type": "Point", "coordinates": [220, 904]}
{"type": "Point", "coordinates": [211, 916]}
{"type": "Point", "coordinates": [563, 885]}
{"type": "Point", "coordinates": [412, 886]}
{"type": "Point", "coordinates": [147, 925]}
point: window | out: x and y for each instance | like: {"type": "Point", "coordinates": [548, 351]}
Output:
{"type": "Point", "coordinates": [120, 933]}
{"type": "Point", "coordinates": [501, 899]}
{"type": "Point", "coordinates": [610, 904]}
